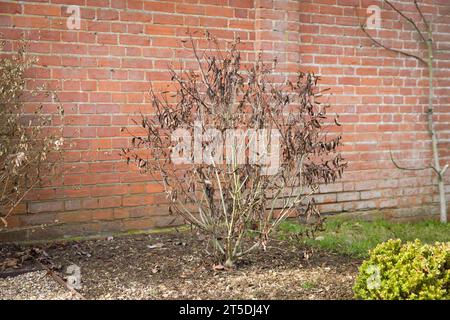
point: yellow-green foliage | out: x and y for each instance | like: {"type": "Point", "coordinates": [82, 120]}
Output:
{"type": "Point", "coordinates": [412, 270]}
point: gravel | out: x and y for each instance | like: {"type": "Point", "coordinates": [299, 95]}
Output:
{"type": "Point", "coordinates": [32, 286]}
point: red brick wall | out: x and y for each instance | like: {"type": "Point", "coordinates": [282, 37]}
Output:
{"type": "Point", "coordinates": [102, 73]}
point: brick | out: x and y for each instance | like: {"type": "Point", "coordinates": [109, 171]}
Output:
{"type": "Point", "coordinates": [76, 216]}
{"type": "Point", "coordinates": [135, 16]}
{"type": "Point", "coordinates": [370, 194]}
{"type": "Point", "coordinates": [139, 224]}
{"type": "Point", "coordinates": [38, 219]}
{"type": "Point", "coordinates": [110, 202]}
{"type": "Point", "coordinates": [190, 9]}
{"type": "Point", "coordinates": [10, 7]}
{"type": "Point", "coordinates": [134, 40]}
{"type": "Point", "coordinates": [107, 39]}
{"type": "Point", "coordinates": [348, 196]}
{"type": "Point", "coordinates": [42, 10]}
{"type": "Point", "coordinates": [106, 14]}
{"type": "Point", "coordinates": [109, 190]}
{"type": "Point", "coordinates": [102, 215]}
{"type": "Point", "coordinates": [31, 22]}
{"type": "Point", "coordinates": [158, 6]}
{"type": "Point", "coordinates": [167, 19]}
{"type": "Point", "coordinates": [37, 207]}
{"type": "Point", "coordinates": [70, 205]}
{"type": "Point", "coordinates": [137, 200]}
{"type": "Point", "coordinates": [241, 3]}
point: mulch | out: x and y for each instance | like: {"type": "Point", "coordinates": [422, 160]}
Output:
{"type": "Point", "coordinates": [173, 266]}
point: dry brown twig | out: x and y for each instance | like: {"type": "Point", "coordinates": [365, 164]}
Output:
{"type": "Point", "coordinates": [61, 281]}
{"type": "Point", "coordinates": [28, 147]}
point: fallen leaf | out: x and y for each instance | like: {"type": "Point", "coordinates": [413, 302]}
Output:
{"type": "Point", "coordinates": [157, 245]}
{"type": "Point", "coordinates": [218, 267]}
{"type": "Point", "coordinates": [10, 263]}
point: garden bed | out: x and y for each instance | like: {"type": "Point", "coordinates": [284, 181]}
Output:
{"type": "Point", "coordinates": [173, 266]}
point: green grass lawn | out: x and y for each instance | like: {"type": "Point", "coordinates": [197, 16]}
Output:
{"type": "Point", "coordinates": [356, 237]}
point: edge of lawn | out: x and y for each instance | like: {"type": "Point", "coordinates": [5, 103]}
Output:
{"type": "Point", "coordinates": [355, 237]}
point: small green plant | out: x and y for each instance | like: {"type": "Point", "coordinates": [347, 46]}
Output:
{"type": "Point", "coordinates": [308, 285]}
{"type": "Point", "coordinates": [411, 271]}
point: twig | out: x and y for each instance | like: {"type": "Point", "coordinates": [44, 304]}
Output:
{"type": "Point", "coordinates": [443, 170]}
{"type": "Point", "coordinates": [411, 21]}
{"type": "Point", "coordinates": [58, 279]}
{"type": "Point", "coordinates": [391, 49]}
{"type": "Point", "coordinates": [421, 15]}
{"type": "Point", "coordinates": [410, 169]}
{"type": "Point", "coordinates": [4, 219]}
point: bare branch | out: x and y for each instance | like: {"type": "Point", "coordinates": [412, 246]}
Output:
{"type": "Point", "coordinates": [422, 15]}
{"type": "Point", "coordinates": [410, 169]}
{"type": "Point", "coordinates": [411, 21]}
{"type": "Point", "coordinates": [378, 43]}
{"type": "Point", "coordinates": [443, 170]}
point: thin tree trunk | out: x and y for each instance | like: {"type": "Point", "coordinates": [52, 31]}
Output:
{"type": "Point", "coordinates": [434, 141]}
{"type": "Point", "coordinates": [437, 166]}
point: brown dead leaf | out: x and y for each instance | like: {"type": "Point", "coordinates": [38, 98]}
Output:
{"type": "Point", "coordinates": [10, 263]}
{"type": "Point", "coordinates": [219, 267]}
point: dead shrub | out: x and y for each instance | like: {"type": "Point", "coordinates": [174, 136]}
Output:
{"type": "Point", "coordinates": [236, 151]}
{"type": "Point", "coordinates": [28, 141]}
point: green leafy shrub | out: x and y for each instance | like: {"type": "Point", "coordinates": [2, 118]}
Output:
{"type": "Point", "coordinates": [412, 270]}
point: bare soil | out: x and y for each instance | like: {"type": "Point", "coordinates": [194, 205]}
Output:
{"type": "Point", "coordinates": [174, 266]}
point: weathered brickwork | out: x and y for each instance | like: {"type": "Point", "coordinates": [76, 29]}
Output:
{"type": "Point", "coordinates": [102, 72]}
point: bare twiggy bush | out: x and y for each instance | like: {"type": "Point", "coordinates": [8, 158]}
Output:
{"type": "Point", "coordinates": [27, 145]}
{"type": "Point", "coordinates": [236, 151]}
